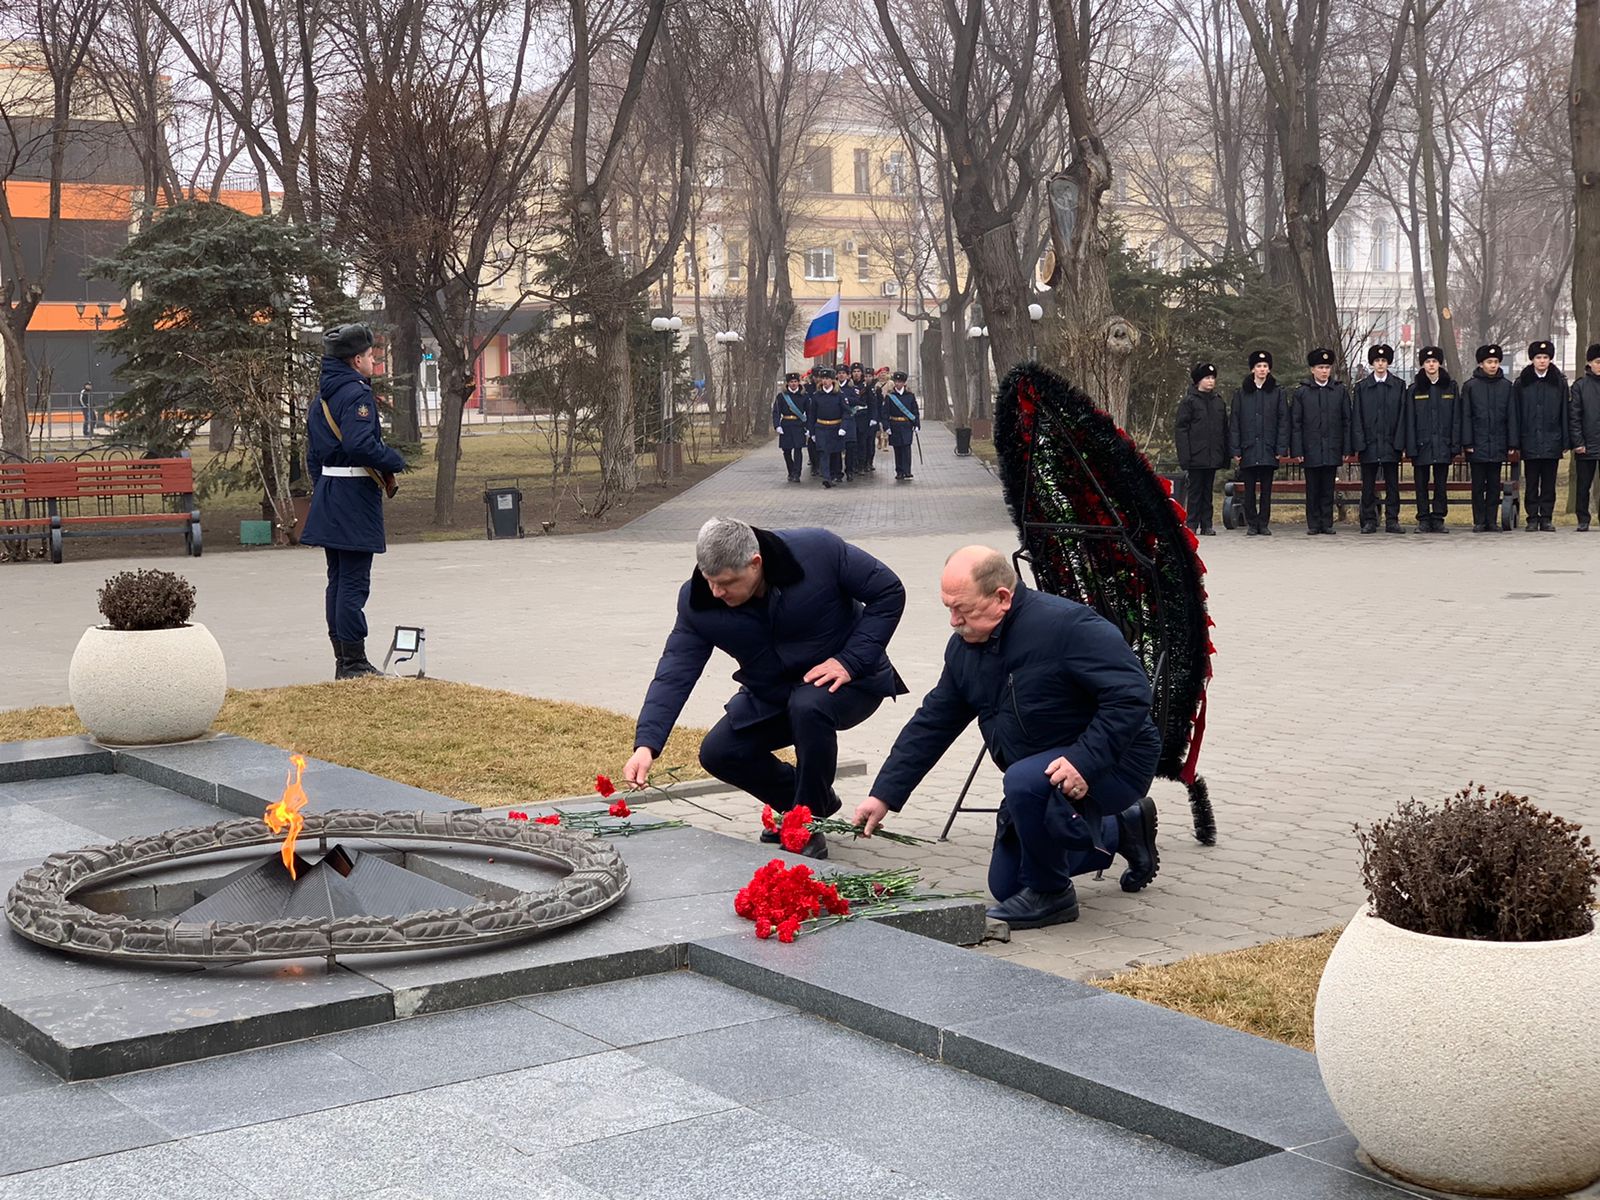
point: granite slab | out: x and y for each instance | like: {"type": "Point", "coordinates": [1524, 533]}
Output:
{"type": "Point", "coordinates": [1279, 1177]}
{"type": "Point", "coordinates": [46, 758]}
{"type": "Point", "coordinates": [57, 1125]}
{"type": "Point", "coordinates": [167, 1171]}
{"type": "Point", "coordinates": [634, 1011]}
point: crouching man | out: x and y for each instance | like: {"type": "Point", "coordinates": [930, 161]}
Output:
{"type": "Point", "coordinates": [1064, 707]}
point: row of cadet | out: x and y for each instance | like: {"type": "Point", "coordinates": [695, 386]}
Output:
{"type": "Point", "coordinates": [838, 423]}
{"type": "Point", "coordinates": [1430, 421]}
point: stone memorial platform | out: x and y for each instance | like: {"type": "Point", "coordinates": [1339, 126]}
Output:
{"type": "Point", "coordinates": [658, 1049]}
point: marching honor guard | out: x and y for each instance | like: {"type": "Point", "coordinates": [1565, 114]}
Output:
{"type": "Point", "coordinates": [789, 419]}
{"type": "Point", "coordinates": [825, 417]}
{"type": "Point", "coordinates": [1259, 437]}
{"type": "Point", "coordinates": [1488, 434]}
{"type": "Point", "coordinates": [351, 469]}
{"type": "Point", "coordinates": [903, 418]}
{"type": "Point", "coordinates": [869, 412]}
{"type": "Point", "coordinates": [1377, 424]}
{"type": "Point", "coordinates": [1540, 397]}
{"type": "Point", "coordinates": [1432, 438]}
{"type": "Point", "coordinates": [1583, 431]}
{"type": "Point", "coordinates": [1203, 445]}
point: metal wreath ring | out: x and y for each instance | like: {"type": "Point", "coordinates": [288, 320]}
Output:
{"type": "Point", "coordinates": [40, 905]}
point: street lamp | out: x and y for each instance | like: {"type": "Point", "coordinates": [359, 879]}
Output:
{"type": "Point", "coordinates": [666, 455]}
{"type": "Point", "coordinates": [728, 339]}
{"type": "Point", "coordinates": [1035, 315]}
{"type": "Point", "coordinates": [101, 311]}
{"type": "Point", "coordinates": [980, 334]}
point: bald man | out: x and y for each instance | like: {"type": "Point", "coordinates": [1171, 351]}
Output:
{"type": "Point", "coordinates": [1064, 707]}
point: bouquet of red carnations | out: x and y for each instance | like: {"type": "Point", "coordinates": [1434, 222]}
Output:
{"type": "Point", "coordinates": [778, 898]}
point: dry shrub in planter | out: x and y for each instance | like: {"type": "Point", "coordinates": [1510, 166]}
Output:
{"type": "Point", "coordinates": [147, 600]}
{"type": "Point", "coordinates": [1482, 868]}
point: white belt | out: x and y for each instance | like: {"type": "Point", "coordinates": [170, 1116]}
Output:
{"type": "Point", "coordinates": [346, 472]}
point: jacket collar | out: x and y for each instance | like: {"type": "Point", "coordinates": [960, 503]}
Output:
{"type": "Point", "coordinates": [991, 644]}
{"type": "Point", "coordinates": [1422, 380]}
{"type": "Point", "coordinates": [779, 567]}
{"type": "Point", "coordinates": [1249, 384]}
{"type": "Point", "coordinates": [1529, 375]}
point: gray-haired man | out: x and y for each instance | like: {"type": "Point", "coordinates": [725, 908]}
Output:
{"type": "Point", "coordinates": [808, 618]}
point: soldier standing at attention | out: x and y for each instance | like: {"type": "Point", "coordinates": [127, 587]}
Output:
{"type": "Point", "coordinates": [1202, 437]}
{"type": "Point", "coordinates": [1488, 434]}
{"type": "Point", "coordinates": [351, 469]}
{"type": "Point", "coordinates": [1319, 437]}
{"type": "Point", "coordinates": [789, 419]}
{"type": "Point", "coordinates": [869, 405]}
{"type": "Point", "coordinates": [852, 405]}
{"type": "Point", "coordinates": [826, 419]}
{"type": "Point", "coordinates": [903, 418]}
{"type": "Point", "coordinates": [1258, 424]}
{"type": "Point", "coordinates": [1432, 433]}
{"type": "Point", "coordinates": [1540, 396]}
{"type": "Point", "coordinates": [1583, 431]}
{"type": "Point", "coordinates": [1377, 423]}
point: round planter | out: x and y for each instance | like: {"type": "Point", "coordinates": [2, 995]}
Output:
{"type": "Point", "coordinates": [1470, 1067]}
{"type": "Point", "coordinates": [138, 687]}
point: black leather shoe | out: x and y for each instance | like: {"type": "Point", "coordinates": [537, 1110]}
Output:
{"type": "Point", "coordinates": [817, 847]}
{"type": "Point", "coordinates": [1394, 528]}
{"type": "Point", "coordinates": [1330, 530]}
{"type": "Point", "coordinates": [1369, 529]}
{"type": "Point", "coordinates": [1252, 532]}
{"type": "Point", "coordinates": [1583, 527]}
{"type": "Point", "coordinates": [1208, 531]}
{"type": "Point", "coordinates": [1266, 531]}
{"type": "Point", "coordinates": [353, 662]}
{"type": "Point", "coordinates": [1029, 909]}
{"type": "Point", "coordinates": [1136, 831]}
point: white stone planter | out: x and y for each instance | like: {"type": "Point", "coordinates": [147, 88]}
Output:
{"type": "Point", "coordinates": [139, 687]}
{"type": "Point", "coordinates": [1470, 1067]}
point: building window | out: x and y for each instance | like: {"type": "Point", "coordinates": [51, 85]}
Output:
{"type": "Point", "coordinates": [863, 267]}
{"type": "Point", "coordinates": [1381, 256]}
{"type": "Point", "coordinates": [896, 170]}
{"type": "Point", "coordinates": [819, 263]}
{"type": "Point", "coordinates": [863, 172]}
{"type": "Point", "coordinates": [1119, 186]}
{"type": "Point", "coordinates": [902, 352]}
{"type": "Point", "coordinates": [1185, 257]}
{"type": "Point", "coordinates": [735, 261]}
{"type": "Point", "coordinates": [865, 354]}
{"type": "Point", "coordinates": [1153, 256]}
{"type": "Point", "coordinates": [819, 168]}
{"type": "Point", "coordinates": [1344, 247]}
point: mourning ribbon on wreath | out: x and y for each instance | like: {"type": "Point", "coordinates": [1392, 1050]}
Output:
{"type": "Point", "coordinates": [1099, 526]}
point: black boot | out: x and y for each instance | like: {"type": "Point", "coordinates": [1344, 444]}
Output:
{"type": "Point", "coordinates": [1029, 909]}
{"type": "Point", "coordinates": [353, 662]}
{"type": "Point", "coordinates": [338, 656]}
{"type": "Point", "coordinates": [1136, 832]}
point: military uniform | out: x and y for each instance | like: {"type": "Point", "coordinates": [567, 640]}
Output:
{"type": "Point", "coordinates": [904, 418]}
{"type": "Point", "coordinates": [346, 517]}
{"type": "Point", "coordinates": [789, 419]}
{"type": "Point", "coordinates": [1258, 432]}
{"type": "Point", "coordinates": [1488, 435]}
{"type": "Point", "coordinates": [1319, 437]}
{"type": "Point", "coordinates": [1432, 440]}
{"type": "Point", "coordinates": [1583, 431]}
{"type": "Point", "coordinates": [825, 419]}
{"type": "Point", "coordinates": [1542, 419]}
{"type": "Point", "coordinates": [1377, 430]}
{"type": "Point", "coordinates": [852, 403]}
{"type": "Point", "coordinates": [1201, 434]}
{"type": "Point", "coordinates": [869, 412]}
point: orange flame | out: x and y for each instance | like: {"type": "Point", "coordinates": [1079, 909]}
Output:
{"type": "Point", "coordinates": [285, 814]}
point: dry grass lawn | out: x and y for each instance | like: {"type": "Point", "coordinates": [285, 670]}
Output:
{"type": "Point", "coordinates": [1268, 990]}
{"type": "Point", "coordinates": [474, 744]}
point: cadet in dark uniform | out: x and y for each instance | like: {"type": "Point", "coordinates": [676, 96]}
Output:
{"type": "Point", "coordinates": [789, 419]}
{"type": "Point", "coordinates": [1319, 437]}
{"type": "Point", "coordinates": [904, 418]}
{"type": "Point", "coordinates": [852, 404]}
{"type": "Point", "coordinates": [1540, 397]}
{"type": "Point", "coordinates": [1258, 424]}
{"type": "Point", "coordinates": [1488, 434]}
{"type": "Point", "coordinates": [1583, 431]}
{"type": "Point", "coordinates": [351, 469]}
{"type": "Point", "coordinates": [1432, 438]}
{"type": "Point", "coordinates": [1064, 708]}
{"type": "Point", "coordinates": [1203, 445]}
{"type": "Point", "coordinates": [1377, 423]}
{"type": "Point", "coordinates": [809, 389]}
{"type": "Point", "coordinates": [825, 417]}
{"type": "Point", "coordinates": [869, 411]}
{"type": "Point", "coordinates": [808, 618]}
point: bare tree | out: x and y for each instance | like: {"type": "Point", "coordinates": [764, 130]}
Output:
{"type": "Point", "coordinates": [1583, 109]}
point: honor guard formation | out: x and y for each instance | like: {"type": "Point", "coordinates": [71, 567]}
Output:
{"type": "Point", "coordinates": [837, 423]}
{"type": "Point", "coordinates": [1483, 422]}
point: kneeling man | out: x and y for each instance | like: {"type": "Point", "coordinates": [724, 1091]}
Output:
{"type": "Point", "coordinates": [1064, 707]}
{"type": "Point", "coordinates": [808, 617]}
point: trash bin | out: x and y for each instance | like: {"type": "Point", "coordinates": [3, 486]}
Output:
{"type": "Point", "coordinates": [502, 511]}
{"type": "Point", "coordinates": [963, 441]}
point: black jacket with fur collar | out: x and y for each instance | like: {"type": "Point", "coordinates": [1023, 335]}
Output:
{"type": "Point", "coordinates": [1542, 417]}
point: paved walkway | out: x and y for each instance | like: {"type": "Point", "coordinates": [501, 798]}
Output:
{"type": "Point", "coordinates": [1351, 674]}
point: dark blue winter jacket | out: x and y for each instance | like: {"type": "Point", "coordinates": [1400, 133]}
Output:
{"type": "Point", "coordinates": [346, 511]}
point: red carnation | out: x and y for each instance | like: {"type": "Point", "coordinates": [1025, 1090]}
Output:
{"type": "Point", "coordinates": [788, 928]}
{"type": "Point", "coordinates": [619, 808]}
{"type": "Point", "coordinates": [604, 786]}
{"type": "Point", "coordinates": [548, 819]}
{"type": "Point", "coordinates": [763, 927]}
{"type": "Point", "coordinates": [796, 830]}
{"type": "Point", "coordinates": [516, 816]}
{"type": "Point", "coordinates": [768, 822]}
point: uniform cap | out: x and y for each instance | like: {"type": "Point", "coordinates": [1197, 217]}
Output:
{"type": "Point", "coordinates": [1541, 348]}
{"type": "Point", "coordinates": [898, 377]}
{"type": "Point", "coordinates": [824, 372]}
{"type": "Point", "coordinates": [1320, 357]}
{"type": "Point", "coordinates": [1489, 351]}
{"type": "Point", "coordinates": [1433, 352]}
{"type": "Point", "coordinates": [346, 341]}
{"type": "Point", "coordinates": [1200, 370]}
{"type": "Point", "coordinates": [1592, 353]}
{"type": "Point", "coordinates": [1374, 353]}
{"type": "Point", "coordinates": [792, 377]}
{"type": "Point", "coordinates": [1260, 356]}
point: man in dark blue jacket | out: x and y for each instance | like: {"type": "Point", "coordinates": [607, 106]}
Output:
{"type": "Point", "coordinates": [350, 469]}
{"type": "Point", "coordinates": [1377, 426]}
{"type": "Point", "coordinates": [1489, 435]}
{"type": "Point", "coordinates": [1064, 707]}
{"type": "Point", "coordinates": [808, 618]}
{"type": "Point", "coordinates": [825, 417]}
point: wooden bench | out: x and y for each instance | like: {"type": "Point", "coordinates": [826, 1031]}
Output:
{"type": "Point", "coordinates": [103, 498]}
{"type": "Point", "coordinates": [1289, 486]}
{"type": "Point", "coordinates": [23, 517]}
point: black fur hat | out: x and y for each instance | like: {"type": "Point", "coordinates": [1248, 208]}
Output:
{"type": "Point", "coordinates": [1200, 370]}
{"type": "Point", "coordinates": [898, 377]}
{"type": "Point", "coordinates": [1320, 357]}
{"type": "Point", "coordinates": [1374, 353]}
{"type": "Point", "coordinates": [1541, 348]}
{"type": "Point", "coordinates": [1428, 352]}
{"type": "Point", "coordinates": [1489, 350]}
{"type": "Point", "coordinates": [792, 377]}
{"type": "Point", "coordinates": [1260, 356]}
{"type": "Point", "coordinates": [346, 341]}
{"type": "Point", "coordinates": [1592, 353]}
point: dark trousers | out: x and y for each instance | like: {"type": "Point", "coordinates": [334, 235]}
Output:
{"type": "Point", "coordinates": [1199, 496]}
{"type": "Point", "coordinates": [902, 461]}
{"type": "Point", "coordinates": [1585, 468]}
{"type": "Point", "coordinates": [349, 582]}
{"type": "Point", "coordinates": [1539, 482]}
{"type": "Point", "coordinates": [1431, 478]}
{"type": "Point", "coordinates": [1485, 494]}
{"type": "Point", "coordinates": [811, 454]}
{"type": "Point", "coordinates": [866, 446]}
{"type": "Point", "coordinates": [88, 420]}
{"type": "Point", "coordinates": [1369, 493]}
{"type": "Point", "coordinates": [1041, 840]}
{"type": "Point", "coordinates": [1319, 497]}
{"type": "Point", "coordinates": [792, 461]}
{"type": "Point", "coordinates": [1257, 495]}
{"type": "Point", "coordinates": [833, 465]}
{"type": "Point", "coordinates": [744, 758]}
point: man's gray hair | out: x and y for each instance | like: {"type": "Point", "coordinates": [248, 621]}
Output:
{"type": "Point", "coordinates": [724, 545]}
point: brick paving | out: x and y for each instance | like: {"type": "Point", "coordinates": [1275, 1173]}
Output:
{"type": "Point", "coordinates": [1352, 672]}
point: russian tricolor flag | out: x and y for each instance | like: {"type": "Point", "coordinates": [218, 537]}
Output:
{"type": "Point", "coordinates": [822, 335]}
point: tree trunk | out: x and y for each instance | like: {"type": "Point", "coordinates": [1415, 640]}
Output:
{"type": "Point", "coordinates": [455, 389]}
{"type": "Point", "coordinates": [1437, 213]}
{"type": "Point", "coordinates": [405, 364]}
{"type": "Point", "coordinates": [1420, 335]}
{"type": "Point", "coordinates": [1584, 117]}
{"type": "Point", "coordinates": [1305, 216]}
{"type": "Point", "coordinates": [14, 405]}
{"type": "Point", "coordinates": [953, 335]}
{"type": "Point", "coordinates": [930, 369]}
{"type": "Point", "coordinates": [619, 461]}
{"type": "Point", "coordinates": [997, 275]}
